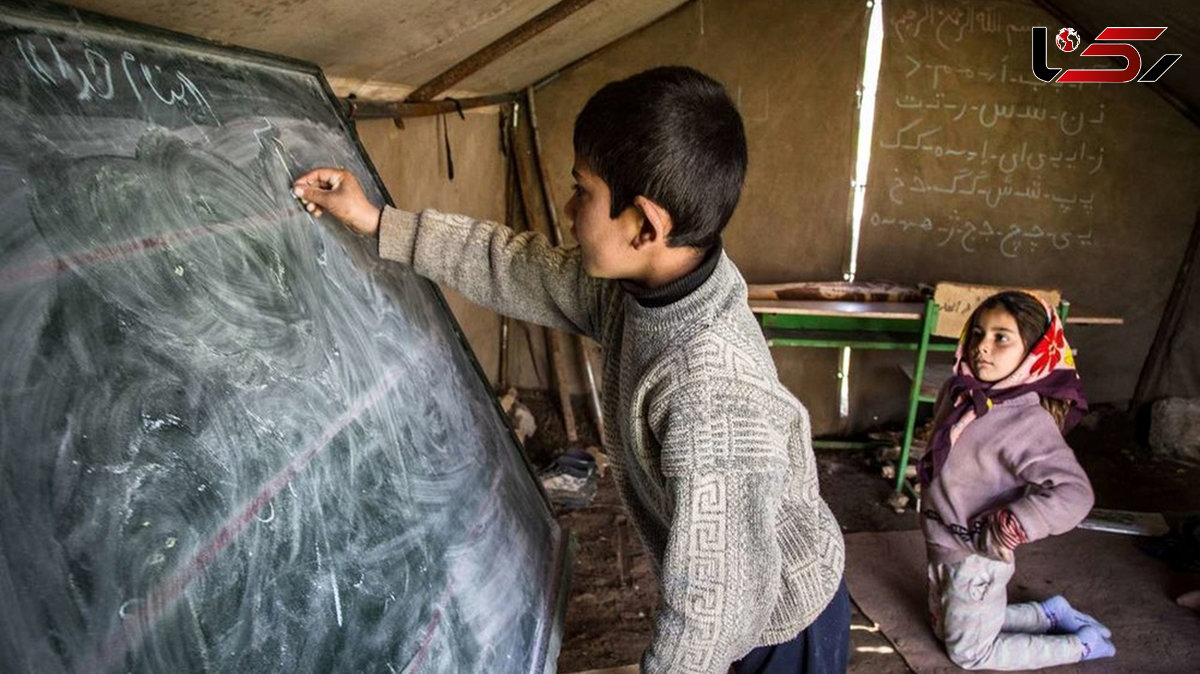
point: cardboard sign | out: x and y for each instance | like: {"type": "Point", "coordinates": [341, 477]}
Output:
{"type": "Point", "coordinates": [956, 301]}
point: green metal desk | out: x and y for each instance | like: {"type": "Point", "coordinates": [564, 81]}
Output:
{"type": "Point", "coordinates": [887, 326]}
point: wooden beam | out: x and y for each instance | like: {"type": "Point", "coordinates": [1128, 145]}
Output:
{"type": "Point", "coordinates": [581, 346]}
{"type": "Point", "coordinates": [511, 40]}
{"type": "Point", "coordinates": [359, 109]}
{"type": "Point", "coordinates": [535, 216]}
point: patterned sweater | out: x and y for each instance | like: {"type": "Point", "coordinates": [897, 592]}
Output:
{"type": "Point", "coordinates": [712, 456]}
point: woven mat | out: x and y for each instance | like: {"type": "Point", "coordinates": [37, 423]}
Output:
{"type": "Point", "coordinates": [1100, 573]}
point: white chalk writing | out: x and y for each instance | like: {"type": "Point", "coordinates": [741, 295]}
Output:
{"type": "Point", "coordinates": [968, 182]}
{"type": "Point", "coordinates": [971, 235]}
{"type": "Point", "coordinates": [948, 26]}
{"type": "Point", "coordinates": [90, 75]}
{"type": "Point", "coordinates": [1081, 157]}
{"type": "Point", "coordinates": [955, 76]}
{"type": "Point", "coordinates": [977, 154]}
{"type": "Point", "coordinates": [987, 114]}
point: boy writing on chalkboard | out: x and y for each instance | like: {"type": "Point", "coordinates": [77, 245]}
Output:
{"type": "Point", "coordinates": [711, 454]}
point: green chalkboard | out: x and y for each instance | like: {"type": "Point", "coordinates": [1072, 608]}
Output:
{"type": "Point", "coordinates": [231, 438]}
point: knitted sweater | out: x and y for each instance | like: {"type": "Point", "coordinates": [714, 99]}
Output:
{"type": "Point", "coordinates": [712, 456]}
{"type": "Point", "coordinates": [1013, 457]}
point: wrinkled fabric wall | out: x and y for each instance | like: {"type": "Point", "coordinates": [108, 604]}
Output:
{"type": "Point", "coordinates": [793, 68]}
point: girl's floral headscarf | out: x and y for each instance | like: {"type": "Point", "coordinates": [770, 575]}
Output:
{"type": "Point", "coordinates": [1048, 369]}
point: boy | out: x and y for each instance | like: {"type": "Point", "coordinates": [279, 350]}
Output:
{"type": "Point", "coordinates": [711, 454]}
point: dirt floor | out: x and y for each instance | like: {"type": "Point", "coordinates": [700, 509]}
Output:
{"type": "Point", "coordinates": [613, 591]}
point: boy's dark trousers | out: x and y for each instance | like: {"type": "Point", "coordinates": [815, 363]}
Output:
{"type": "Point", "coordinates": [822, 648]}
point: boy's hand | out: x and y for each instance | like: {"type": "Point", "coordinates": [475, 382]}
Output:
{"type": "Point", "coordinates": [337, 191]}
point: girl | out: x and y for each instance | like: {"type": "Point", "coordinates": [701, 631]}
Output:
{"type": "Point", "coordinates": [998, 474]}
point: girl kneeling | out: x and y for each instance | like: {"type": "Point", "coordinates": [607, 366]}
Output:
{"type": "Point", "coordinates": [998, 474]}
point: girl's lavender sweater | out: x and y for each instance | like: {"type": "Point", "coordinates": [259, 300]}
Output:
{"type": "Point", "coordinates": [1013, 457]}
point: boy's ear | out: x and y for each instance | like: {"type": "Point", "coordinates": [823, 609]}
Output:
{"type": "Point", "coordinates": [657, 223]}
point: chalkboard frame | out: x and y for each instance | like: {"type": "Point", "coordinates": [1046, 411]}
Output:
{"type": "Point", "coordinates": [36, 12]}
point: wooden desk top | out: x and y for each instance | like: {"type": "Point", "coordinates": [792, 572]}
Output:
{"type": "Point", "coordinates": [910, 310]}
{"type": "Point", "coordinates": [1081, 316]}
{"type": "Point", "coordinates": [894, 310]}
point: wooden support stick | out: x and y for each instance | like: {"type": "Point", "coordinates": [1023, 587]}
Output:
{"type": "Point", "coordinates": [509, 41]}
{"type": "Point", "coordinates": [619, 522]}
{"type": "Point", "coordinates": [363, 109]}
{"type": "Point", "coordinates": [510, 204]}
{"type": "Point", "coordinates": [554, 339]}
{"type": "Point", "coordinates": [548, 198]}
{"type": "Point", "coordinates": [559, 360]}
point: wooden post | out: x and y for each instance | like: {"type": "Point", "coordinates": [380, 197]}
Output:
{"type": "Point", "coordinates": [509, 41]}
{"type": "Point", "coordinates": [360, 109]}
{"type": "Point", "coordinates": [581, 345]}
{"type": "Point", "coordinates": [527, 178]}
{"type": "Point", "coordinates": [510, 202]}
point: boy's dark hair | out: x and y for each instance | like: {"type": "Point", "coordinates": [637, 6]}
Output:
{"type": "Point", "coordinates": [1030, 314]}
{"type": "Point", "coordinates": [673, 135]}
